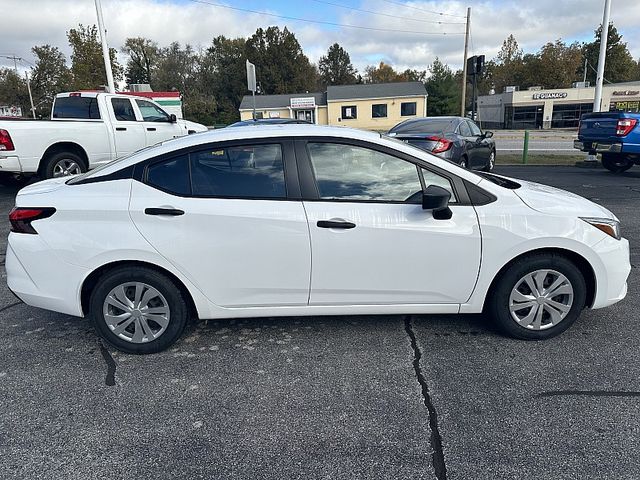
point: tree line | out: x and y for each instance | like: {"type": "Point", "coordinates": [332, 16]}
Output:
{"type": "Point", "coordinates": [212, 79]}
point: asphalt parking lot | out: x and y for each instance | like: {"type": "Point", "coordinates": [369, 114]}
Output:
{"type": "Point", "coordinates": [333, 398]}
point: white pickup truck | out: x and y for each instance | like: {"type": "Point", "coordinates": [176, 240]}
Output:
{"type": "Point", "coordinates": [86, 130]}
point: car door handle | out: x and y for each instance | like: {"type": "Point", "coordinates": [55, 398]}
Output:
{"type": "Point", "coordinates": [121, 129]}
{"type": "Point", "coordinates": [174, 212]}
{"type": "Point", "coordinates": [151, 129]}
{"type": "Point", "coordinates": [336, 224]}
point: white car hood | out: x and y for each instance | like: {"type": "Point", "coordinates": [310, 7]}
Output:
{"type": "Point", "coordinates": [554, 201]}
{"type": "Point", "coordinates": [193, 126]}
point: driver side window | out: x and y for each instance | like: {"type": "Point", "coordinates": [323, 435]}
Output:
{"type": "Point", "coordinates": [347, 172]}
{"type": "Point", "coordinates": [151, 113]}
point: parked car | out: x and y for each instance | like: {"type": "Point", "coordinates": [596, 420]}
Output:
{"type": "Point", "coordinates": [306, 220]}
{"type": "Point", "coordinates": [456, 139]}
{"type": "Point", "coordinates": [86, 130]}
{"type": "Point", "coordinates": [270, 121]}
{"type": "Point", "coordinates": [615, 135]}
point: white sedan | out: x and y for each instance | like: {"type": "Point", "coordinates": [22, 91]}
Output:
{"type": "Point", "coordinates": [306, 220]}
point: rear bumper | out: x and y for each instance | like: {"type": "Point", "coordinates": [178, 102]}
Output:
{"type": "Point", "coordinates": [10, 163]}
{"type": "Point", "coordinates": [39, 278]}
{"type": "Point", "coordinates": [600, 147]}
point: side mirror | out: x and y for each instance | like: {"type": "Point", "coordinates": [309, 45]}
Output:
{"type": "Point", "coordinates": [173, 118]}
{"type": "Point", "coordinates": [488, 134]}
{"type": "Point", "coordinates": [436, 199]}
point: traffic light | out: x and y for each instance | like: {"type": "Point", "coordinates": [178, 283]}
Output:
{"type": "Point", "coordinates": [475, 65]}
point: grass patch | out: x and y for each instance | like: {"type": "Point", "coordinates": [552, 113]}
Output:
{"type": "Point", "coordinates": [538, 159]}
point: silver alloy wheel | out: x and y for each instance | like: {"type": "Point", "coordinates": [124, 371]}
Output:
{"type": "Point", "coordinates": [492, 160]}
{"type": "Point", "coordinates": [66, 167]}
{"type": "Point", "coordinates": [541, 299]}
{"type": "Point", "coordinates": [136, 312]}
{"type": "Point", "coordinates": [463, 163]}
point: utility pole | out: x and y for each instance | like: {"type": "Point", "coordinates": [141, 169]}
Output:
{"type": "Point", "coordinates": [33, 109]}
{"type": "Point", "coordinates": [105, 49]}
{"type": "Point", "coordinates": [604, 37]}
{"type": "Point", "coordinates": [464, 64]}
{"type": "Point", "coordinates": [584, 78]}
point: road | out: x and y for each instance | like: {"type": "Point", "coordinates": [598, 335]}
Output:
{"type": "Point", "coordinates": [331, 398]}
{"type": "Point", "coordinates": [547, 142]}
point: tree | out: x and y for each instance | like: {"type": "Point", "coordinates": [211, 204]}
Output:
{"type": "Point", "coordinates": [383, 73]}
{"type": "Point", "coordinates": [510, 51]}
{"type": "Point", "coordinates": [49, 77]}
{"type": "Point", "coordinates": [13, 90]}
{"type": "Point", "coordinates": [87, 62]}
{"type": "Point", "coordinates": [619, 66]}
{"type": "Point", "coordinates": [443, 90]}
{"type": "Point", "coordinates": [223, 76]}
{"type": "Point", "coordinates": [336, 68]}
{"type": "Point", "coordinates": [281, 65]}
{"type": "Point", "coordinates": [144, 55]}
{"type": "Point", "coordinates": [557, 64]}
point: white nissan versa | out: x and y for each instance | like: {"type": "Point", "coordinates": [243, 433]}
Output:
{"type": "Point", "coordinates": [306, 220]}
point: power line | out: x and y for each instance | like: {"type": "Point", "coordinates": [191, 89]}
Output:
{"type": "Point", "coordinates": [423, 10]}
{"type": "Point", "coordinates": [387, 14]}
{"type": "Point", "coordinates": [321, 22]}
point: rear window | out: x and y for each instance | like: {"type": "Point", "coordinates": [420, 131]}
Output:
{"type": "Point", "coordinates": [434, 125]}
{"type": "Point", "coordinates": [84, 108]}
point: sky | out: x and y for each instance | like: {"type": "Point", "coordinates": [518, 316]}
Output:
{"type": "Point", "coordinates": [406, 34]}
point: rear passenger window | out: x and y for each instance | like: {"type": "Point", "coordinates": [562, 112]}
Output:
{"type": "Point", "coordinates": [254, 171]}
{"type": "Point", "coordinates": [171, 175]}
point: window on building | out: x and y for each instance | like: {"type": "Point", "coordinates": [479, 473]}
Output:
{"type": "Point", "coordinates": [347, 172]}
{"type": "Point", "coordinates": [568, 115]}
{"type": "Point", "coordinates": [408, 109]}
{"type": "Point", "coordinates": [349, 112]}
{"type": "Point", "coordinates": [252, 171]}
{"type": "Point", "coordinates": [530, 116]}
{"type": "Point", "coordinates": [123, 110]}
{"type": "Point", "coordinates": [379, 110]}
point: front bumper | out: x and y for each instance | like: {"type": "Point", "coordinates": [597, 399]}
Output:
{"type": "Point", "coordinates": [599, 147]}
{"type": "Point", "coordinates": [612, 274]}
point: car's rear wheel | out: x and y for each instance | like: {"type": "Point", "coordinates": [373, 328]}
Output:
{"type": "Point", "coordinates": [538, 297]}
{"type": "Point", "coordinates": [616, 163]}
{"type": "Point", "coordinates": [63, 164]}
{"type": "Point", "coordinates": [464, 162]}
{"type": "Point", "coordinates": [138, 310]}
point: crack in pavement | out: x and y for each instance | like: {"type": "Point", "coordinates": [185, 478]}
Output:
{"type": "Point", "coordinates": [110, 379]}
{"type": "Point", "coordinates": [11, 305]}
{"type": "Point", "coordinates": [437, 457]}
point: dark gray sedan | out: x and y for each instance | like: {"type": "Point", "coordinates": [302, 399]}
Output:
{"type": "Point", "coordinates": [456, 139]}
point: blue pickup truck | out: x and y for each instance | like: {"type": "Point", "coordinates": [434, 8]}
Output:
{"type": "Point", "coordinates": [616, 135]}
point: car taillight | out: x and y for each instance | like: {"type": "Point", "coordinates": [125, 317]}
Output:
{"type": "Point", "coordinates": [442, 144]}
{"type": "Point", "coordinates": [21, 218]}
{"type": "Point", "coordinates": [625, 125]}
{"type": "Point", "coordinates": [6, 144]}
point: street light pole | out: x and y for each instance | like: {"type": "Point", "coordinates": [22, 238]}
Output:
{"type": "Point", "coordinates": [464, 66]}
{"type": "Point", "coordinates": [105, 49]}
{"type": "Point", "coordinates": [604, 37]}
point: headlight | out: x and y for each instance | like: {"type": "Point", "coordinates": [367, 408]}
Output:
{"type": "Point", "coordinates": [607, 225]}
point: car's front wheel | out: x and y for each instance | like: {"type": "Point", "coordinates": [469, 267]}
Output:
{"type": "Point", "coordinates": [138, 310]}
{"type": "Point", "coordinates": [538, 297]}
{"type": "Point", "coordinates": [491, 162]}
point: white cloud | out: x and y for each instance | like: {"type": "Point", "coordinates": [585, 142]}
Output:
{"type": "Point", "coordinates": [27, 23]}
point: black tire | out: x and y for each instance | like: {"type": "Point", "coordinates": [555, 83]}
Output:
{"type": "Point", "coordinates": [491, 162]}
{"type": "Point", "coordinates": [499, 301]}
{"type": "Point", "coordinates": [55, 160]}
{"type": "Point", "coordinates": [464, 162]}
{"type": "Point", "coordinates": [170, 292]}
{"type": "Point", "coordinates": [616, 163]}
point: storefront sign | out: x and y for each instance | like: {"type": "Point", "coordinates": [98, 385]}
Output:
{"type": "Point", "coordinates": [10, 111]}
{"type": "Point", "coordinates": [626, 92]}
{"type": "Point", "coordinates": [549, 96]}
{"type": "Point", "coordinates": [303, 102]}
